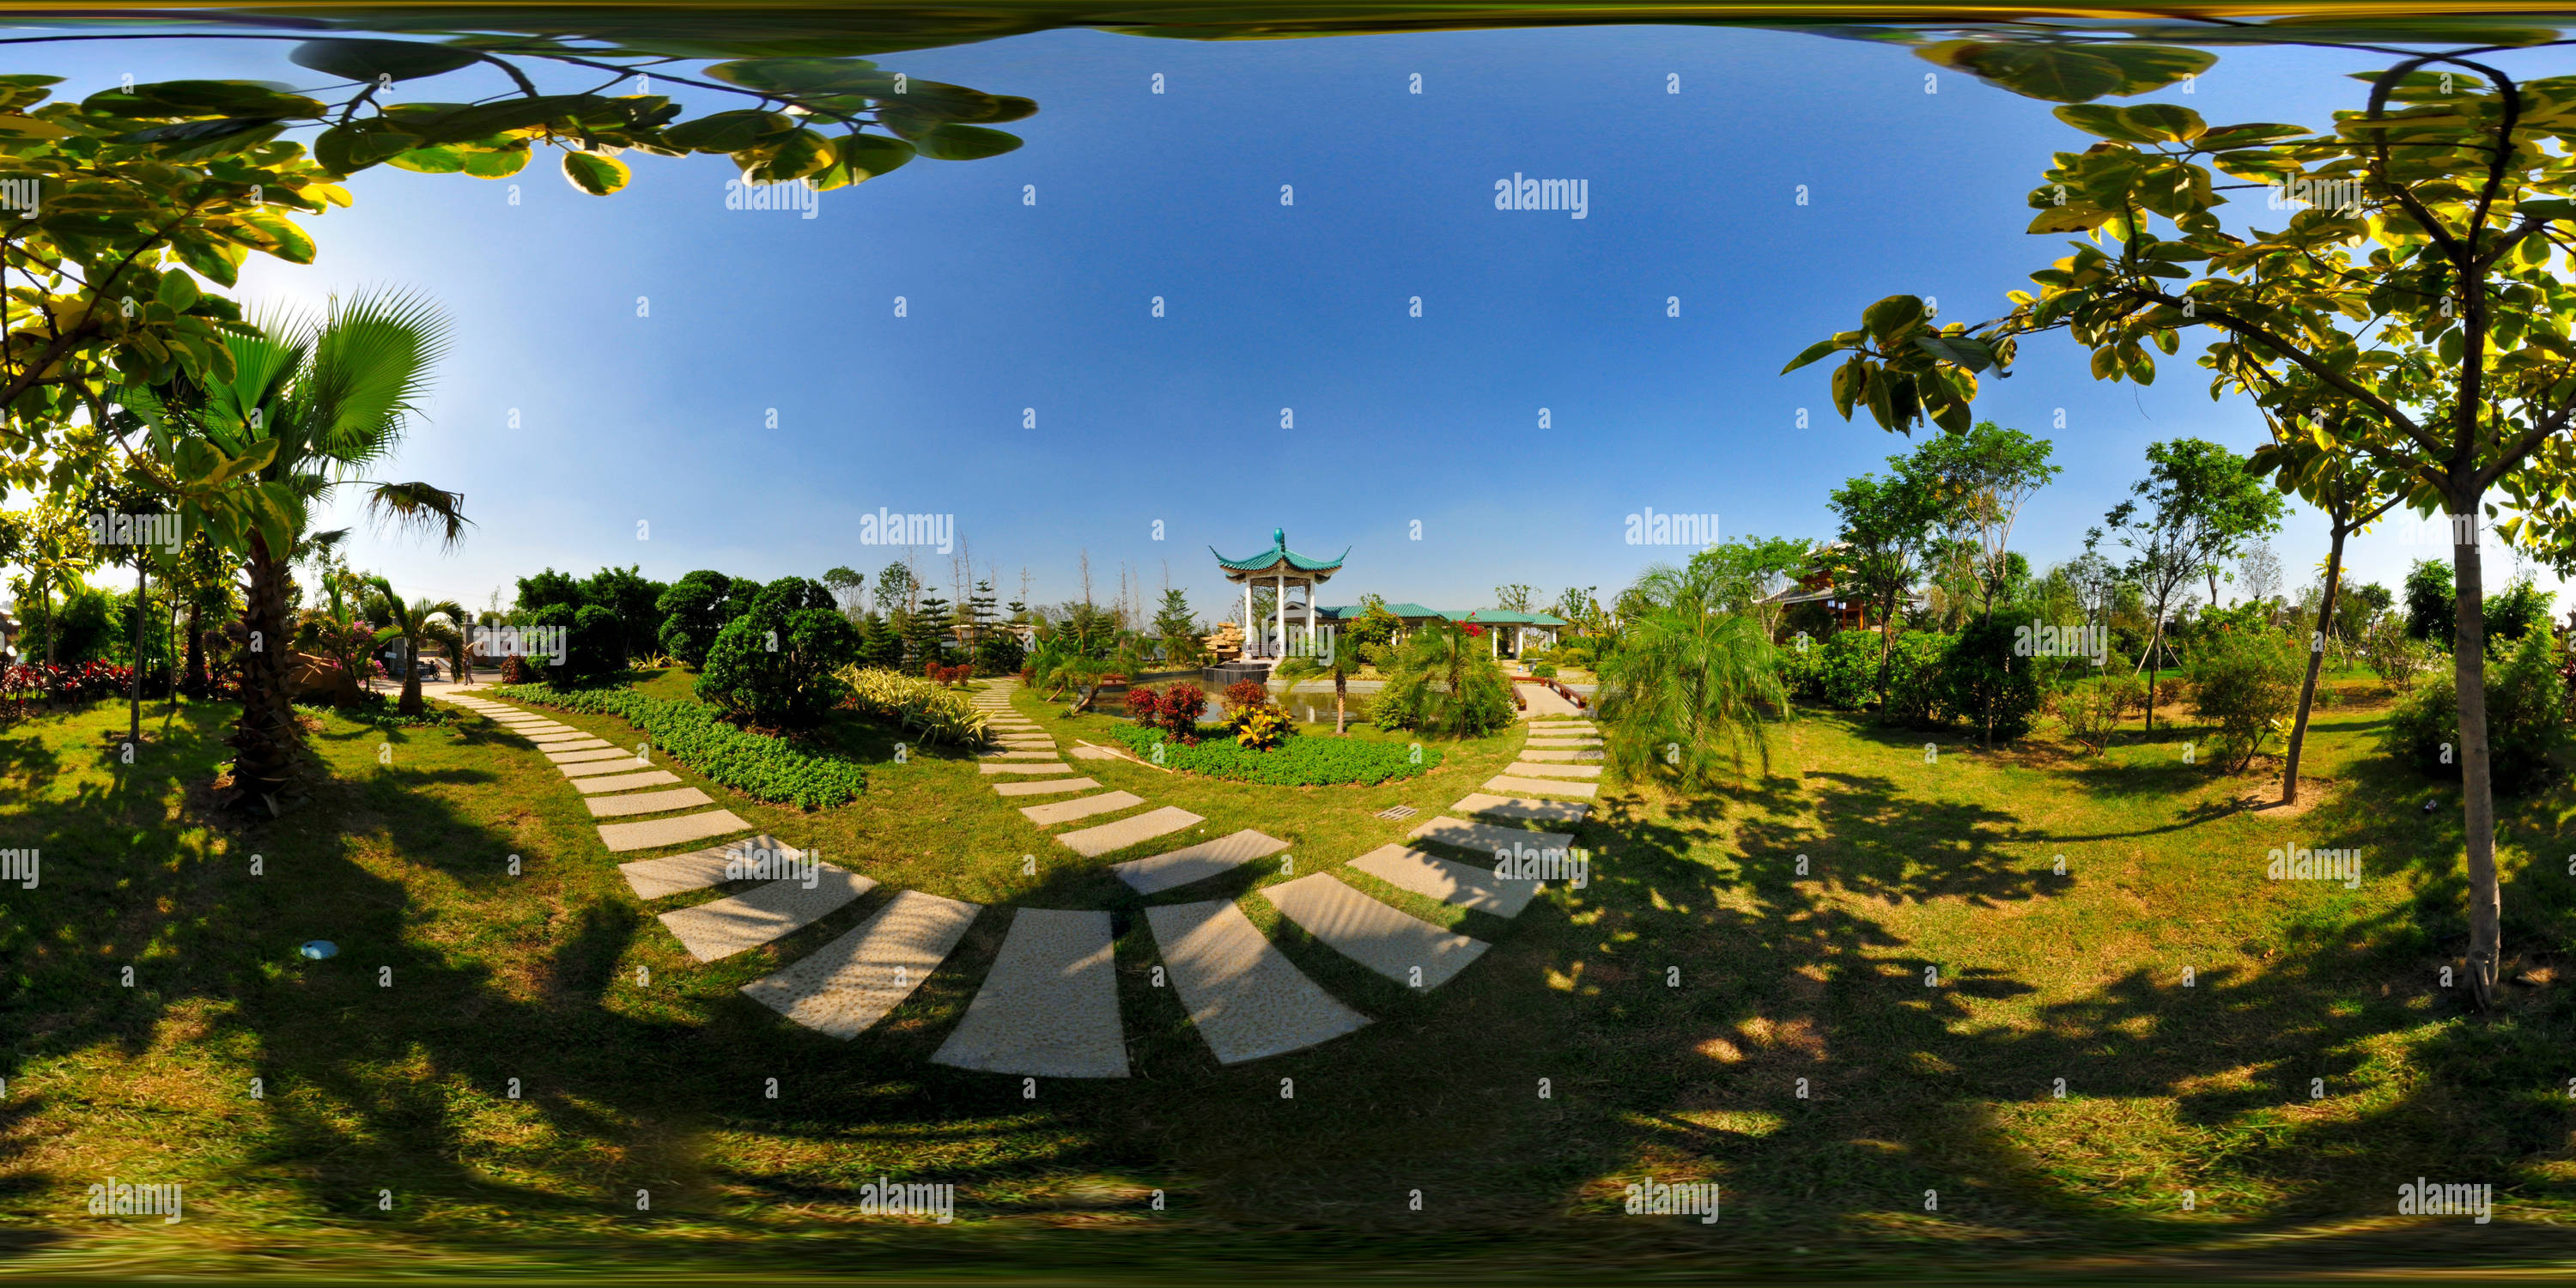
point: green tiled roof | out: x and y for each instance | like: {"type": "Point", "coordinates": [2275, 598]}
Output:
{"type": "Point", "coordinates": [1483, 616]}
{"type": "Point", "coordinates": [1278, 552]}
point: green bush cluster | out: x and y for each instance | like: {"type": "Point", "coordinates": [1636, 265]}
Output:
{"type": "Point", "coordinates": [2526, 717]}
{"type": "Point", "coordinates": [1298, 762]}
{"type": "Point", "coordinates": [774, 664]}
{"type": "Point", "coordinates": [760, 766]}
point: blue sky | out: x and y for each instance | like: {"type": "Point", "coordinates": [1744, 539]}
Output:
{"type": "Point", "coordinates": [664, 420]}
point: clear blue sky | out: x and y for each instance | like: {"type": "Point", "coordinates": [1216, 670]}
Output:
{"type": "Point", "coordinates": [664, 419]}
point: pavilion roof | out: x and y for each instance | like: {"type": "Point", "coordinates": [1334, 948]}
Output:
{"type": "Point", "coordinates": [1279, 556]}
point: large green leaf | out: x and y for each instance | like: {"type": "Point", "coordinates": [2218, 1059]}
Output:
{"type": "Point", "coordinates": [203, 98]}
{"type": "Point", "coordinates": [791, 156]}
{"type": "Point", "coordinates": [963, 142]}
{"type": "Point", "coordinates": [802, 76]}
{"type": "Point", "coordinates": [595, 174]}
{"type": "Point", "coordinates": [368, 60]}
{"type": "Point", "coordinates": [349, 148]}
{"type": "Point", "coordinates": [733, 131]}
{"type": "Point", "coordinates": [2069, 73]}
{"type": "Point", "coordinates": [857, 158]}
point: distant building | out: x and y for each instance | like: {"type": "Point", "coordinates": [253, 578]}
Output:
{"type": "Point", "coordinates": [1513, 634]}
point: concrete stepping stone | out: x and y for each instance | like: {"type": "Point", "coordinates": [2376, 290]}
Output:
{"type": "Point", "coordinates": [1049, 1008]}
{"type": "Point", "coordinates": [697, 869]}
{"type": "Point", "coordinates": [1047, 787]}
{"type": "Point", "coordinates": [1521, 807]}
{"type": "Point", "coordinates": [1533, 770]}
{"type": "Point", "coordinates": [1563, 756]}
{"type": "Point", "coordinates": [1057, 767]}
{"type": "Point", "coordinates": [585, 754]}
{"type": "Point", "coordinates": [1243, 995]}
{"type": "Point", "coordinates": [1448, 882]}
{"type": "Point", "coordinates": [1570, 740]}
{"type": "Point", "coordinates": [1198, 862]}
{"type": "Point", "coordinates": [1048, 754]}
{"type": "Point", "coordinates": [656, 833]}
{"type": "Point", "coordinates": [1054, 812]}
{"type": "Point", "coordinates": [1485, 838]}
{"type": "Point", "coordinates": [850, 983]}
{"type": "Point", "coordinates": [1368, 932]}
{"type": "Point", "coordinates": [1089, 752]}
{"type": "Point", "coordinates": [624, 782]}
{"type": "Point", "coordinates": [625, 763]}
{"type": "Point", "coordinates": [554, 749]}
{"type": "Point", "coordinates": [720, 929]}
{"type": "Point", "coordinates": [646, 802]}
{"type": "Point", "coordinates": [1540, 787]}
{"type": "Point", "coordinates": [1092, 842]}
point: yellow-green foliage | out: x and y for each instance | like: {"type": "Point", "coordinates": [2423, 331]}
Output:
{"type": "Point", "coordinates": [933, 710]}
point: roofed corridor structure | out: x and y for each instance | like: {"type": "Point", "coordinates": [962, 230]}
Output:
{"type": "Point", "coordinates": [1282, 568]}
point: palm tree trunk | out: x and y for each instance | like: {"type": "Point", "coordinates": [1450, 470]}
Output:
{"type": "Point", "coordinates": [266, 738]}
{"type": "Point", "coordinates": [2316, 659]}
{"type": "Point", "coordinates": [410, 704]}
{"type": "Point", "coordinates": [198, 686]}
{"type": "Point", "coordinates": [1341, 704]}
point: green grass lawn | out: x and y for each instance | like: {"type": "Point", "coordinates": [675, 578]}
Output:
{"type": "Point", "coordinates": [1672, 1008]}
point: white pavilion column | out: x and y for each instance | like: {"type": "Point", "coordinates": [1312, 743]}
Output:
{"type": "Point", "coordinates": [1247, 621]}
{"type": "Point", "coordinates": [1279, 610]}
{"type": "Point", "coordinates": [1311, 645]}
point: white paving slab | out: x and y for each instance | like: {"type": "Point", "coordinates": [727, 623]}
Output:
{"type": "Point", "coordinates": [623, 763]}
{"type": "Point", "coordinates": [1054, 812]}
{"type": "Point", "coordinates": [1026, 767]}
{"type": "Point", "coordinates": [1560, 755]}
{"type": "Point", "coordinates": [646, 802]}
{"type": "Point", "coordinates": [697, 869]}
{"type": "Point", "coordinates": [1046, 787]}
{"type": "Point", "coordinates": [656, 833]}
{"type": "Point", "coordinates": [1531, 769]}
{"type": "Point", "coordinates": [1092, 842]}
{"type": "Point", "coordinates": [1245, 998]}
{"type": "Point", "coordinates": [1049, 1008]}
{"type": "Point", "coordinates": [1198, 862]}
{"type": "Point", "coordinates": [1540, 787]}
{"type": "Point", "coordinates": [720, 929]}
{"type": "Point", "coordinates": [850, 983]}
{"type": "Point", "coordinates": [1522, 807]}
{"type": "Point", "coordinates": [1368, 932]}
{"type": "Point", "coordinates": [1485, 838]}
{"type": "Point", "coordinates": [1446, 881]}
{"type": "Point", "coordinates": [584, 755]}
{"type": "Point", "coordinates": [1049, 754]}
{"type": "Point", "coordinates": [623, 782]}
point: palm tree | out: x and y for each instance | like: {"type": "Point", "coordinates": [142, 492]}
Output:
{"type": "Point", "coordinates": [414, 624]}
{"type": "Point", "coordinates": [1340, 663]}
{"type": "Point", "coordinates": [307, 406]}
{"type": "Point", "coordinates": [1691, 685]}
{"type": "Point", "coordinates": [1446, 676]}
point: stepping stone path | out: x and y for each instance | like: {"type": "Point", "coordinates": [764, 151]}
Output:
{"type": "Point", "coordinates": [1048, 1007]}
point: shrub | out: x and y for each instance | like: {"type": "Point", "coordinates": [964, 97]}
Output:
{"type": "Point", "coordinates": [2246, 680]}
{"type": "Point", "coordinates": [2526, 719]}
{"type": "Point", "coordinates": [1302, 762]}
{"type": "Point", "coordinates": [774, 664]}
{"type": "Point", "coordinates": [1244, 695]}
{"type": "Point", "coordinates": [2396, 657]}
{"type": "Point", "coordinates": [758, 765]}
{"type": "Point", "coordinates": [1542, 670]}
{"type": "Point", "coordinates": [930, 710]}
{"type": "Point", "coordinates": [519, 670]}
{"type": "Point", "coordinates": [1984, 686]}
{"type": "Point", "coordinates": [74, 682]}
{"type": "Point", "coordinates": [938, 674]}
{"type": "Point", "coordinates": [1444, 680]}
{"type": "Point", "coordinates": [694, 610]}
{"type": "Point", "coordinates": [1914, 694]}
{"type": "Point", "coordinates": [596, 650]}
{"type": "Point", "coordinates": [999, 653]}
{"type": "Point", "coordinates": [1261, 728]}
{"type": "Point", "coordinates": [1180, 708]}
{"type": "Point", "coordinates": [2092, 708]}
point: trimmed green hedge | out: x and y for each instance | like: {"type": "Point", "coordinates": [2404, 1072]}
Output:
{"type": "Point", "coordinates": [765, 768]}
{"type": "Point", "coordinates": [1303, 761]}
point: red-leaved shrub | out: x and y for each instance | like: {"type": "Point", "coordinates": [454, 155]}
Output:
{"type": "Point", "coordinates": [1244, 695]}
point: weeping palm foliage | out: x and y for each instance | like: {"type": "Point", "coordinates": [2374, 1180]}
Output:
{"type": "Point", "coordinates": [1445, 680]}
{"type": "Point", "coordinates": [1692, 687]}
{"type": "Point", "coordinates": [415, 623]}
{"type": "Point", "coordinates": [310, 406]}
{"type": "Point", "coordinates": [1338, 664]}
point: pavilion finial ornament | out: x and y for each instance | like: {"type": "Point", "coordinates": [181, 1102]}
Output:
{"type": "Point", "coordinates": [1279, 538]}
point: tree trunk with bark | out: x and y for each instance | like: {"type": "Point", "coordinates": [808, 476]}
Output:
{"type": "Point", "coordinates": [2469, 672]}
{"type": "Point", "coordinates": [134, 680]}
{"type": "Point", "coordinates": [410, 704]}
{"type": "Point", "coordinates": [198, 684]}
{"type": "Point", "coordinates": [2316, 660]}
{"type": "Point", "coordinates": [266, 738]}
